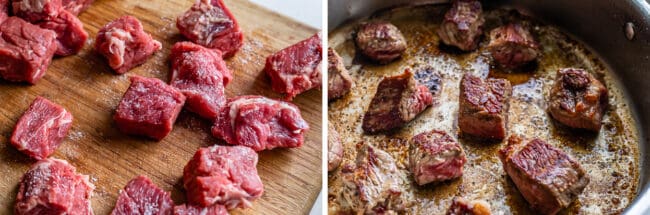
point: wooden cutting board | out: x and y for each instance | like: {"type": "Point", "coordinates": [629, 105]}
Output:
{"type": "Point", "coordinates": [85, 86]}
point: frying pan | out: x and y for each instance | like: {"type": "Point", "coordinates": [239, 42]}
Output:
{"type": "Point", "coordinates": [618, 31]}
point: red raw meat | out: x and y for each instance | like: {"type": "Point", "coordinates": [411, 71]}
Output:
{"type": "Point", "coordinates": [52, 186]}
{"type": "Point", "coordinates": [225, 175]}
{"type": "Point", "coordinates": [215, 209]}
{"type": "Point", "coordinates": [41, 129]}
{"type": "Point", "coordinates": [71, 35]}
{"type": "Point", "coordinates": [211, 24]}
{"type": "Point", "coordinates": [296, 68]}
{"type": "Point", "coordinates": [4, 10]}
{"type": "Point", "coordinates": [149, 108]}
{"type": "Point", "coordinates": [25, 50]}
{"type": "Point", "coordinates": [36, 10]}
{"type": "Point", "coordinates": [76, 6]}
{"type": "Point", "coordinates": [141, 196]}
{"type": "Point", "coordinates": [201, 75]}
{"type": "Point", "coordinates": [260, 123]}
{"type": "Point", "coordinates": [125, 44]}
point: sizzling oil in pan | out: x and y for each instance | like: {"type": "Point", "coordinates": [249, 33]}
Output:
{"type": "Point", "coordinates": [610, 157]}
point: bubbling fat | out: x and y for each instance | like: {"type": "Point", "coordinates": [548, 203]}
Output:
{"type": "Point", "coordinates": [610, 157]}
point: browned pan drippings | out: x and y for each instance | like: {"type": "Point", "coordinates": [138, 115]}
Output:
{"type": "Point", "coordinates": [610, 157]}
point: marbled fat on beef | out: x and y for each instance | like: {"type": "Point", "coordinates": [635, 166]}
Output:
{"type": "Point", "coordinates": [52, 186]}
{"type": "Point", "coordinates": [37, 10]}
{"type": "Point", "coordinates": [225, 175]}
{"type": "Point", "coordinates": [76, 6]}
{"type": "Point", "coordinates": [201, 75]}
{"type": "Point", "coordinates": [141, 196]}
{"type": "Point", "coordinates": [297, 68]}
{"type": "Point", "coordinates": [26, 50]}
{"type": "Point", "coordinates": [124, 44]}
{"type": "Point", "coordinates": [148, 108]}
{"type": "Point", "coordinates": [41, 129]}
{"type": "Point", "coordinates": [211, 24]}
{"type": "Point", "coordinates": [260, 123]}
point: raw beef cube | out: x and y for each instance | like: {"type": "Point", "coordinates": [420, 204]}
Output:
{"type": "Point", "coordinates": [41, 129]}
{"type": "Point", "coordinates": [460, 206]}
{"type": "Point", "coordinates": [125, 44]}
{"type": "Point", "coordinates": [335, 149]}
{"type": "Point", "coordinates": [435, 156]}
{"type": "Point", "coordinates": [463, 25]}
{"type": "Point", "coordinates": [52, 186]}
{"type": "Point", "coordinates": [547, 177]}
{"type": "Point", "coordinates": [225, 175]}
{"type": "Point", "coordinates": [260, 123]}
{"type": "Point", "coordinates": [37, 10]}
{"type": "Point", "coordinates": [399, 99]}
{"type": "Point", "coordinates": [76, 6]}
{"type": "Point", "coordinates": [149, 108]}
{"type": "Point", "coordinates": [211, 24]}
{"type": "Point", "coordinates": [296, 69]}
{"type": "Point", "coordinates": [70, 33]}
{"type": "Point", "coordinates": [201, 75]}
{"type": "Point", "coordinates": [512, 46]}
{"type": "Point", "coordinates": [380, 41]}
{"type": "Point", "coordinates": [215, 209]}
{"type": "Point", "coordinates": [339, 81]}
{"type": "Point", "coordinates": [141, 196]}
{"type": "Point", "coordinates": [4, 10]}
{"type": "Point", "coordinates": [25, 50]}
{"type": "Point", "coordinates": [577, 99]}
{"type": "Point", "coordinates": [483, 106]}
{"type": "Point", "coordinates": [373, 185]}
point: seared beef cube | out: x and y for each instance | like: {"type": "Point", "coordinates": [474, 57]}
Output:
{"type": "Point", "coordinates": [339, 80]}
{"type": "Point", "coordinates": [37, 10]}
{"type": "Point", "coordinates": [460, 206]}
{"type": "Point", "coordinates": [483, 106]}
{"type": "Point", "coordinates": [373, 185]}
{"type": "Point", "coordinates": [142, 196]}
{"type": "Point", "coordinates": [577, 99]}
{"type": "Point", "coordinates": [463, 25]}
{"type": "Point", "coordinates": [399, 99]}
{"type": "Point", "coordinates": [124, 44]}
{"type": "Point", "coordinates": [435, 156]}
{"type": "Point", "coordinates": [25, 50]}
{"type": "Point", "coordinates": [70, 34]}
{"type": "Point", "coordinates": [380, 41]}
{"type": "Point", "coordinates": [513, 46]}
{"type": "Point", "coordinates": [335, 149]}
{"type": "Point", "coordinates": [548, 178]}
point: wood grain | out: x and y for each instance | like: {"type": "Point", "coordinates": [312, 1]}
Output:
{"type": "Point", "coordinates": [85, 86]}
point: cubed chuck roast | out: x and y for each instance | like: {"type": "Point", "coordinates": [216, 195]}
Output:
{"type": "Point", "coordinates": [124, 44]}
{"type": "Point", "coordinates": [201, 75]}
{"type": "Point", "coordinates": [380, 41]}
{"type": "Point", "coordinates": [70, 34]}
{"type": "Point", "coordinates": [334, 149]}
{"type": "Point", "coordinates": [462, 25]}
{"type": "Point", "coordinates": [297, 68]}
{"type": "Point", "coordinates": [260, 123]}
{"type": "Point", "coordinates": [211, 24]}
{"type": "Point", "coordinates": [339, 81]}
{"type": "Point", "coordinates": [483, 107]}
{"type": "Point", "coordinates": [53, 186]}
{"type": "Point", "coordinates": [460, 206]}
{"type": "Point", "coordinates": [148, 108]}
{"type": "Point", "coordinates": [435, 156]}
{"type": "Point", "coordinates": [225, 175]}
{"type": "Point", "coordinates": [41, 129]}
{"type": "Point", "coordinates": [26, 50]}
{"type": "Point", "coordinates": [577, 99]}
{"type": "Point", "coordinates": [547, 177]}
{"type": "Point", "coordinates": [373, 185]}
{"type": "Point", "coordinates": [141, 196]}
{"type": "Point", "coordinates": [399, 99]}
{"type": "Point", "coordinates": [513, 46]}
